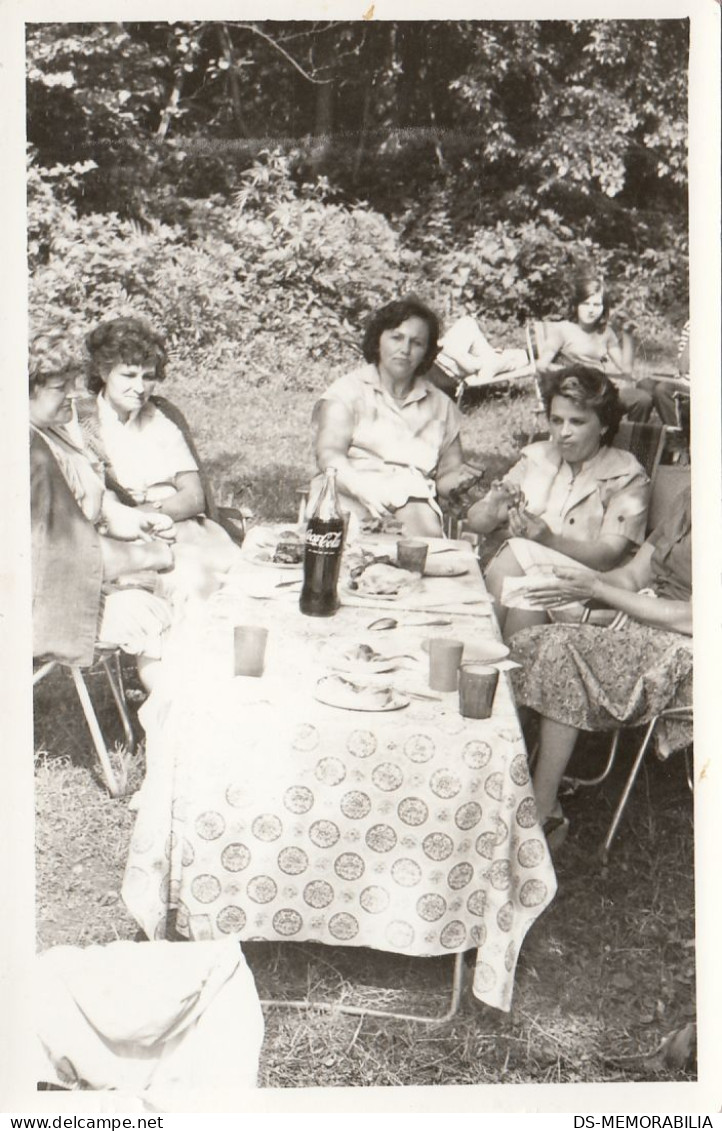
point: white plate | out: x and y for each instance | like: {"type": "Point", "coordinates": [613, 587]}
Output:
{"type": "Point", "coordinates": [265, 558]}
{"type": "Point", "coordinates": [478, 651]}
{"type": "Point", "coordinates": [375, 598]}
{"type": "Point", "coordinates": [333, 692]}
{"type": "Point", "coordinates": [445, 565]}
{"type": "Point", "coordinates": [333, 654]}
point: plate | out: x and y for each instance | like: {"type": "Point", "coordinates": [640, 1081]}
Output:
{"type": "Point", "coordinates": [263, 557]}
{"type": "Point", "coordinates": [337, 692]}
{"type": "Point", "coordinates": [445, 565]}
{"type": "Point", "coordinates": [341, 659]}
{"type": "Point", "coordinates": [478, 651]}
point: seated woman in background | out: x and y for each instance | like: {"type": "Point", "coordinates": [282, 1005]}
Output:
{"type": "Point", "coordinates": [587, 339]}
{"type": "Point", "coordinates": [584, 677]}
{"type": "Point", "coordinates": [393, 437]}
{"type": "Point", "coordinates": [572, 498]}
{"type": "Point", "coordinates": [464, 350]}
{"type": "Point", "coordinates": [141, 439]}
{"type": "Point", "coordinates": [85, 544]}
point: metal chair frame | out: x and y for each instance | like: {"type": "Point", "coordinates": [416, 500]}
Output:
{"type": "Point", "coordinates": [109, 658]}
{"type": "Point", "coordinates": [525, 372]}
{"type": "Point", "coordinates": [325, 1006]}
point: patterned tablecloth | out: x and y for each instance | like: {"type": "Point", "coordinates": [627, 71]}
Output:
{"type": "Point", "coordinates": [268, 815]}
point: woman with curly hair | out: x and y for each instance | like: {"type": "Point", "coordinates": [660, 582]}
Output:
{"type": "Point", "coordinates": [144, 442]}
{"type": "Point", "coordinates": [393, 437]}
{"type": "Point", "coordinates": [94, 560]}
{"type": "Point", "coordinates": [572, 499]}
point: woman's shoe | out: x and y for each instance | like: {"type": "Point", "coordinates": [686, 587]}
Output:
{"type": "Point", "coordinates": [556, 830]}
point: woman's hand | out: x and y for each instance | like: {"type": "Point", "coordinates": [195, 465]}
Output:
{"type": "Point", "coordinates": [565, 584]}
{"type": "Point", "coordinates": [522, 524]}
{"type": "Point", "coordinates": [155, 524]}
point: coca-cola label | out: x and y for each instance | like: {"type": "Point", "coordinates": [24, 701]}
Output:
{"type": "Point", "coordinates": [328, 541]}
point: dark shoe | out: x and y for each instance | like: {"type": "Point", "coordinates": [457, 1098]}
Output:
{"type": "Point", "coordinates": [556, 830]}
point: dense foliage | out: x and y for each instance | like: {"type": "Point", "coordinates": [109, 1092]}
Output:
{"type": "Point", "coordinates": [244, 182]}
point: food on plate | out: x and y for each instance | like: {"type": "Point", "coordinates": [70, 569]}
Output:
{"type": "Point", "coordinates": [382, 579]}
{"type": "Point", "coordinates": [346, 693]}
{"type": "Point", "coordinates": [289, 548]}
{"type": "Point", "coordinates": [361, 653]}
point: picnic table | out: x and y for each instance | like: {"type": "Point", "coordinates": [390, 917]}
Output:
{"type": "Point", "coordinates": [268, 815]}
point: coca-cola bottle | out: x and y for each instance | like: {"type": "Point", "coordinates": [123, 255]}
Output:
{"type": "Point", "coordinates": [322, 553]}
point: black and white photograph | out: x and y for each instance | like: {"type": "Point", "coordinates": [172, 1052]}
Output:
{"type": "Point", "coordinates": [372, 359]}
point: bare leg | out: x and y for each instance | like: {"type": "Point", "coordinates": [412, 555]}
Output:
{"type": "Point", "coordinates": [503, 565]}
{"type": "Point", "coordinates": [148, 668]}
{"type": "Point", "coordinates": [556, 743]}
{"type": "Point", "coordinates": [419, 520]}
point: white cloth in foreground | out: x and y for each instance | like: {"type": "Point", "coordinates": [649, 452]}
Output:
{"type": "Point", "coordinates": [150, 1019]}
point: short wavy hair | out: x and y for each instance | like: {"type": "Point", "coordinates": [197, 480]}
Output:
{"type": "Point", "coordinates": [51, 354]}
{"type": "Point", "coordinates": [585, 285]}
{"type": "Point", "coordinates": [390, 316]}
{"type": "Point", "coordinates": [590, 389]}
{"type": "Point", "coordinates": [128, 340]}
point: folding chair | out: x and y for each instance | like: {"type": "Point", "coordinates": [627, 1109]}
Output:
{"type": "Point", "coordinates": [476, 381]}
{"type": "Point", "coordinates": [668, 483]}
{"type": "Point", "coordinates": [109, 659]}
{"type": "Point", "coordinates": [644, 441]}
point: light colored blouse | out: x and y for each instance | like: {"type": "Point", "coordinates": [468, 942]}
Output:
{"type": "Point", "coordinates": [403, 441]}
{"type": "Point", "coordinates": [575, 345]}
{"type": "Point", "coordinates": [144, 451]}
{"type": "Point", "coordinates": [609, 494]}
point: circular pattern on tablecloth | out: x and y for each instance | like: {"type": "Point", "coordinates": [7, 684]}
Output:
{"type": "Point", "coordinates": [445, 784]}
{"type": "Point", "coordinates": [343, 926]}
{"type": "Point", "coordinates": [210, 825]}
{"type": "Point", "coordinates": [205, 888]}
{"type": "Point", "coordinates": [460, 875]}
{"type": "Point", "coordinates": [231, 919]}
{"type": "Point", "coordinates": [330, 771]}
{"type": "Point", "coordinates": [381, 838]}
{"type": "Point", "coordinates": [292, 860]}
{"type": "Point", "coordinates": [477, 934]}
{"type": "Point", "coordinates": [235, 857]}
{"type": "Point", "coordinates": [287, 922]}
{"type": "Point", "coordinates": [510, 957]}
{"type": "Point", "coordinates": [526, 813]}
{"type": "Point", "coordinates": [298, 799]}
{"type": "Point", "coordinates": [413, 811]}
{"type": "Point", "coordinates": [387, 777]}
{"type": "Point", "coordinates": [501, 830]}
{"type": "Point", "coordinates": [505, 916]}
{"type": "Point", "coordinates": [532, 893]}
{"type": "Point", "coordinates": [324, 834]}
{"type": "Point", "coordinates": [519, 770]}
{"type": "Point", "coordinates": [476, 903]}
{"type": "Point", "coordinates": [437, 846]}
{"type": "Point", "coordinates": [476, 754]}
{"type": "Point", "coordinates": [485, 845]}
{"type": "Point", "coordinates": [453, 934]}
{"type": "Point", "coordinates": [305, 738]}
{"type": "Point", "coordinates": [468, 815]}
{"type": "Point", "coordinates": [406, 873]}
{"type": "Point", "coordinates": [531, 853]}
{"type": "Point", "coordinates": [262, 889]}
{"type": "Point", "coordinates": [318, 894]}
{"type": "Point", "coordinates": [355, 805]}
{"type": "Point", "coordinates": [361, 743]}
{"type": "Point", "coordinates": [236, 795]}
{"type": "Point", "coordinates": [431, 906]}
{"type": "Point", "coordinates": [267, 827]}
{"type": "Point", "coordinates": [187, 853]}
{"type": "Point", "coordinates": [349, 866]}
{"type": "Point", "coordinates": [399, 934]}
{"type": "Point", "coordinates": [484, 977]}
{"type": "Point", "coordinates": [419, 748]}
{"type": "Point", "coordinates": [494, 786]}
{"type": "Point", "coordinates": [142, 840]}
{"type": "Point", "coordinates": [374, 899]}
{"type": "Point", "coordinates": [500, 875]}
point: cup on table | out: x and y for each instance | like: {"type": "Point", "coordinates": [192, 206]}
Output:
{"type": "Point", "coordinates": [477, 687]}
{"type": "Point", "coordinates": [249, 649]}
{"type": "Point", "coordinates": [444, 660]}
{"type": "Point", "coordinates": [411, 554]}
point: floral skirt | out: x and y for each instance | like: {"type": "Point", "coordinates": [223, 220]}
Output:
{"type": "Point", "coordinates": [596, 678]}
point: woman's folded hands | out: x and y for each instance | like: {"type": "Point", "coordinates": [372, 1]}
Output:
{"type": "Point", "coordinates": [557, 585]}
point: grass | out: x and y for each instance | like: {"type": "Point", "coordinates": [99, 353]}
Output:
{"type": "Point", "coordinates": [604, 975]}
